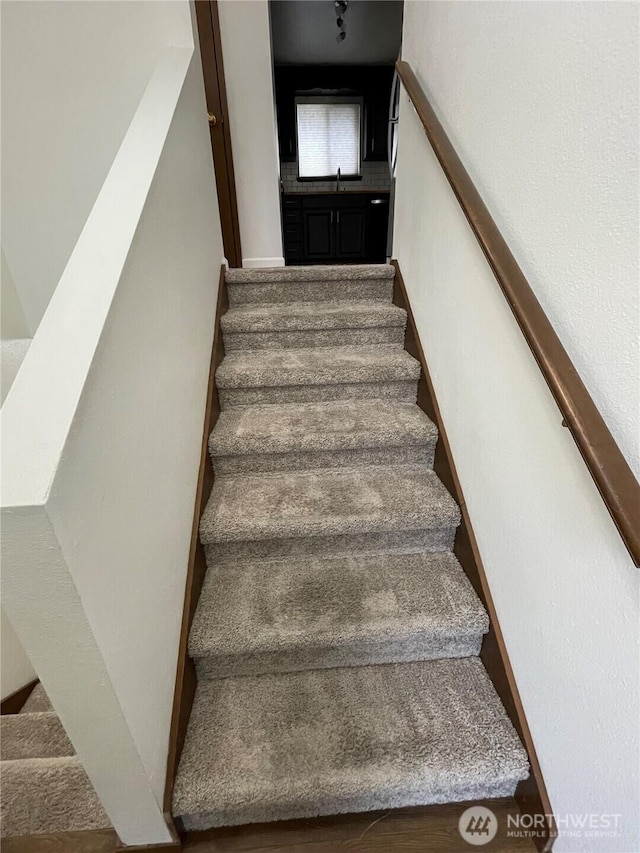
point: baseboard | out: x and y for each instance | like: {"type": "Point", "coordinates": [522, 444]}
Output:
{"type": "Point", "coordinates": [531, 794]}
{"type": "Point", "coordinates": [262, 263]}
{"type": "Point", "coordinates": [186, 680]}
{"type": "Point", "coordinates": [14, 703]}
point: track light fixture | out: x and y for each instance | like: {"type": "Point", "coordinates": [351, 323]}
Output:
{"type": "Point", "coordinates": [341, 8]}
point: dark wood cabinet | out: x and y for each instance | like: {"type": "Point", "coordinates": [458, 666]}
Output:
{"type": "Point", "coordinates": [377, 117]}
{"type": "Point", "coordinates": [318, 234]}
{"type": "Point", "coordinates": [350, 234]}
{"type": "Point", "coordinates": [335, 228]}
{"type": "Point", "coordinates": [292, 229]}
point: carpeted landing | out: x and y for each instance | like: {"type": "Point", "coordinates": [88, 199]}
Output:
{"type": "Point", "coordinates": [44, 786]}
{"type": "Point", "coordinates": [336, 638]}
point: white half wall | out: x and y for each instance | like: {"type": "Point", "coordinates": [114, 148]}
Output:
{"type": "Point", "coordinates": [125, 488]}
{"type": "Point", "coordinates": [11, 357]}
{"type": "Point", "coordinates": [72, 76]}
{"type": "Point", "coordinates": [248, 70]}
{"type": "Point", "coordinates": [541, 101]}
{"type": "Point", "coordinates": [101, 439]}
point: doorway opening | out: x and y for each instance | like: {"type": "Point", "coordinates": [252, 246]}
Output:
{"type": "Point", "coordinates": [336, 108]}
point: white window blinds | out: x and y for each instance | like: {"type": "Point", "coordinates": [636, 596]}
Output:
{"type": "Point", "coordinates": [328, 139]}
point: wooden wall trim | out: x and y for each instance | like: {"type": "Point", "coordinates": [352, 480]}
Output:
{"type": "Point", "coordinates": [13, 704]}
{"type": "Point", "coordinates": [611, 473]}
{"type": "Point", "coordinates": [531, 794]}
{"type": "Point", "coordinates": [185, 685]}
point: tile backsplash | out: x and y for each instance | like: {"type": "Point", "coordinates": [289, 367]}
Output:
{"type": "Point", "coordinates": [375, 178]}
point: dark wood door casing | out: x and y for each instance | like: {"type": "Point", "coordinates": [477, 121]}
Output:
{"type": "Point", "coordinates": [217, 108]}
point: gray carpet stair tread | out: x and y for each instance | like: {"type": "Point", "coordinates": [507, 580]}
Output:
{"type": "Point", "coordinates": [46, 795]}
{"type": "Point", "coordinates": [352, 272]}
{"type": "Point", "coordinates": [37, 701]}
{"type": "Point", "coordinates": [336, 637]}
{"type": "Point", "coordinates": [279, 616]}
{"type": "Point", "coordinates": [33, 735]}
{"type": "Point", "coordinates": [322, 366]}
{"type": "Point", "coordinates": [328, 502]}
{"type": "Point", "coordinates": [305, 427]}
{"type": "Point", "coordinates": [277, 747]}
{"type": "Point", "coordinates": [294, 316]}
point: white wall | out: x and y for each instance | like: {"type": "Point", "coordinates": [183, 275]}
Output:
{"type": "Point", "coordinates": [15, 668]}
{"type": "Point", "coordinates": [101, 443]}
{"type": "Point", "coordinates": [72, 76]}
{"type": "Point", "coordinates": [12, 321]}
{"type": "Point", "coordinates": [248, 69]}
{"type": "Point", "coordinates": [541, 101]}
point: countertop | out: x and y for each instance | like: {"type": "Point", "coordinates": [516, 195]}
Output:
{"type": "Point", "coordinates": [336, 192]}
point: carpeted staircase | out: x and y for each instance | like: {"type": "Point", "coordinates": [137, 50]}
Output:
{"type": "Point", "coordinates": [44, 786]}
{"type": "Point", "coordinates": [336, 637]}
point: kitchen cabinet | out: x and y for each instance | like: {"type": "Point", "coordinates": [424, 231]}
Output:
{"type": "Point", "coordinates": [292, 229]}
{"type": "Point", "coordinates": [334, 228]}
{"type": "Point", "coordinates": [318, 234]}
{"type": "Point", "coordinates": [377, 115]}
{"type": "Point", "coordinates": [350, 234]}
{"type": "Point", "coordinates": [334, 234]}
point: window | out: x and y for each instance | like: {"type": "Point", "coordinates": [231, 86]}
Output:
{"type": "Point", "coordinates": [329, 132]}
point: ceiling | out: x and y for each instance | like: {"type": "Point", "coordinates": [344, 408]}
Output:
{"type": "Point", "coordinates": [304, 32]}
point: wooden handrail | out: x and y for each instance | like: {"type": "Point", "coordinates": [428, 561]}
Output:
{"type": "Point", "coordinates": [614, 478]}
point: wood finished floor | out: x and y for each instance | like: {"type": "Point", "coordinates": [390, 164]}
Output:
{"type": "Point", "coordinates": [429, 829]}
{"type": "Point", "coordinates": [91, 841]}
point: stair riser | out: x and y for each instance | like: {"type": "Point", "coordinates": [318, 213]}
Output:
{"type": "Point", "coordinates": [378, 290]}
{"type": "Point", "coordinates": [255, 463]}
{"type": "Point", "coordinates": [402, 542]}
{"type": "Point", "coordinates": [398, 796]}
{"type": "Point", "coordinates": [385, 650]}
{"type": "Point", "coordinates": [310, 338]}
{"type": "Point", "coordinates": [405, 392]}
